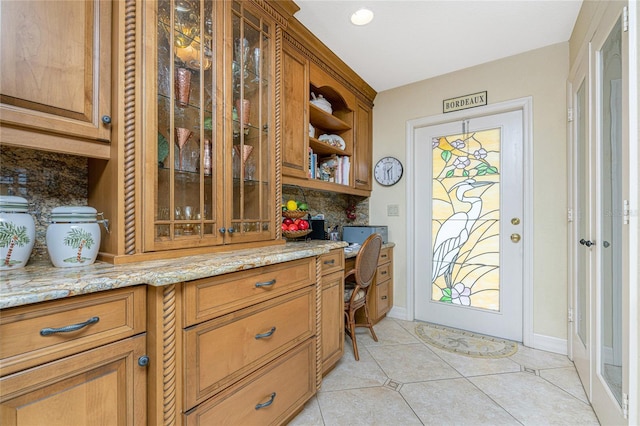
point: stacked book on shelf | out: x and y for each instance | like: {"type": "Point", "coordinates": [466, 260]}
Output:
{"type": "Point", "coordinates": [332, 168]}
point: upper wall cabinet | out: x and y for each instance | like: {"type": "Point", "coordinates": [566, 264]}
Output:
{"type": "Point", "coordinates": [327, 118]}
{"type": "Point", "coordinates": [209, 140]}
{"type": "Point", "coordinates": [56, 75]}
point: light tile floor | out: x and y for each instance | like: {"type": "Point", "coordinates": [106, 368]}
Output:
{"type": "Point", "coordinates": [400, 380]}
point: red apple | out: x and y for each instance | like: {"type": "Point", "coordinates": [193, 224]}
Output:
{"type": "Point", "coordinates": [303, 225]}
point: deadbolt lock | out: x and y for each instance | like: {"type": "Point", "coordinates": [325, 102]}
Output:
{"type": "Point", "coordinates": [515, 221]}
{"type": "Point", "coordinates": [515, 237]}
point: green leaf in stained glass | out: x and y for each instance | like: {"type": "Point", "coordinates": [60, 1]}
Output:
{"type": "Point", "coordinates": [445, 299]}
{"type": "Point", "coordinates": [492, 170]}
{"type": "Point", "coordinates": [446, 155]}
{"type": "Point", "coordinates": [482, 172]}
{"type": "Point", "coordinates": [481, 166]}
{"type": "Point", "coordinates": [465, 173]}
{"type": "Point", "coordinates": [450, 173]}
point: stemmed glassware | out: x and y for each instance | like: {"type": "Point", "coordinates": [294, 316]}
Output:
{"type": "Point", "coordinates": [182, 136]}
{"type": "Point", "coordinates": [256, 64]}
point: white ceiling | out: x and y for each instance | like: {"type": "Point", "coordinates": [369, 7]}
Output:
{"type": "Point", "coordinates": [409, 41]}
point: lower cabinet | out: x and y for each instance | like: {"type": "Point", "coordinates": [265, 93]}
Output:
{"type": "Point", "coordinates": [268, 396]}
{"type": "Point", "coordinates": [332, 334]}
{"type": "Point", "coordinates": [381, 294]}
{"type": "Point", "coordinates": [58, 370]}
{"type": "Point", "coordinates": [235, 349]}
{"type": "Point", "coordinates": [101, 386]}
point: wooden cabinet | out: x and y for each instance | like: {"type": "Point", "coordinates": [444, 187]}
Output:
{"type": "Point", "coordinates": [295, 112]}
{"type": "Point", "coordinates": [381, 294]}
{"type": "Point", "coordinates": [210, 158]}
{"type": "Point", "coordinates": [56, 76]}
{"type": "Point", "coordinates": [58, 371]}
{"type": "Point", "coordinates": [363, 160]}
{"type": "Point", "coordinates": [238, 348]}
{"type": "Point", "coordinates": [332, 326]}
{"type": "Point", "coordinates": [322, 149]}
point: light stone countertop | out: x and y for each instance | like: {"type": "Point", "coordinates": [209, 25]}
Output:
{"type": "Point", "coordinates": [354, 253]}
{"type": "Point", "coordinates": [40, 281]}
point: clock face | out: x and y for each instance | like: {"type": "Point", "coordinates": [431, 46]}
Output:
{"type": "Point", "coordinates": [388, 171]}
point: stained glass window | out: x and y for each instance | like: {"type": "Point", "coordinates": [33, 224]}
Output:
{"type": "Point", "coordinates": [466, 219]}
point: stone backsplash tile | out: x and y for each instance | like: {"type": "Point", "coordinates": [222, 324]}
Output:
{"type": "Point", "coordinates": [46, 180]}
{"type": "Point", "coordinates": [332, 205]}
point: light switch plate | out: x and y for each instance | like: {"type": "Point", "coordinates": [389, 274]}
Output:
{"type": "Point", "coordinates": [393, 210]}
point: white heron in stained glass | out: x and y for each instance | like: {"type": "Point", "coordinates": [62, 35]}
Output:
{"type": "Point", "coordinates": [454, 232]}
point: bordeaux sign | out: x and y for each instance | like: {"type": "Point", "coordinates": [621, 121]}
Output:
{"type": "Point", "coordinates": [464, 102]}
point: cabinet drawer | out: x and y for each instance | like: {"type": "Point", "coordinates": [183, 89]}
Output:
{"type": "Point", "coordinates": [386, 255]}
{"type": "Point", "coordinates": [383, 272]}
{"type": "Point", "coordinates": [382, 301]}
{"type": "Point", "coordinates": [223, 350]}
{"type": "Point", "coordinates": [332, 261]}
{"type": "Point", "coordinates": [287, 383]}
{"type": "Point", "coordinates": [120, 313]}
{"type": "Point", "coordinates": [212, 297]}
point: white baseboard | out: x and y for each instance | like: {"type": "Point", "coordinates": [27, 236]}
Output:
{"type": "Point", "coordinates": [399, 313]}
{"type": "Point", "coordinates": [550, 344]}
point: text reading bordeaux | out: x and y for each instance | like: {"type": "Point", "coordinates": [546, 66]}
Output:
{"type": "Point", "coordinates": [464, 102]}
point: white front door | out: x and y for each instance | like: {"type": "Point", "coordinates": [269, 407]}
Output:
{"type": "Point", "coordinates": [468, 201]}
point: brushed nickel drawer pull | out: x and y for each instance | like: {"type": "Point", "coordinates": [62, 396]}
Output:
{"type": "Point", "coordinates": [329, 262]}
{"type": "Point", "coordinates": [268, 403]}
{"type": "Point", "coordinates": [383, 273]}
{"type": "Point", "coordinates": [267, 334]}
{"type": "Point", "coordinates": [383, 297]}
{"type": "Point", "coordinates": [266, 283]}
{"type": "Point", "coordinates": [69, 328]}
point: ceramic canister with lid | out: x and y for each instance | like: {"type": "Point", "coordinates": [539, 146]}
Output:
{"type": "Point", "coordinates": [17, 232]}
{"type": "Point", "coordinates": [73, 236]}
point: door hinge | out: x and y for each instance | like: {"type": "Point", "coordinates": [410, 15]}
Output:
{"type": "Point", "coordinates": [569, 215]}
{"type": "Point", "coordinates": [625, 405]}
{"type": "Point", "coordinates": [625, 19]}
{"type": "Point", "coordinates": [569, 115]}
{"type": "Point", "coordinates": [570, 315]}
{"type": "Point", "coordinates": [625, 212]}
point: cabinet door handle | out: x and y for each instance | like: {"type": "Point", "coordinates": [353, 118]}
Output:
{"type": "Point", "coordinates": [266, 283]}
{"type": "Point", "coordinates": [222, 230]}
{"type": "Point", "coordinates": [360, 181]}
{"type": "Point", "coordinates": [231, 230]}
{"type": "Point", "coordinates": [383, 273]}
{"type": "Point", "coordinates": [69, 328]}
{"type": "Point", "coordinates": [268, 403]}
{"type": "Point", "coordinates": [267, 334]}
{"type": "Point", "coordinates": [106, 119]}
{"type": "Point", "coordinates": [383, 297]}
{"type": "Point", "coordinates": [329, 262]}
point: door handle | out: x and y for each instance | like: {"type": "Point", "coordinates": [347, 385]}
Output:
{"type": "Point", "coordinates": [586, 242]}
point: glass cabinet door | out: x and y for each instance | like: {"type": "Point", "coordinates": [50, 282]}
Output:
{"type": "Point", "coordinates": [183, 158]}
{"type": "Point", "coordinates": [250, 200]}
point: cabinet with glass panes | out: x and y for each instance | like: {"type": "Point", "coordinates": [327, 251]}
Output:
{"type": "Point", "coordinates": [209, 146]}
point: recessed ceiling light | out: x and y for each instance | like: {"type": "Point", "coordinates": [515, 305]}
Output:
{"type": "Point", "coordinates": [362, 17]}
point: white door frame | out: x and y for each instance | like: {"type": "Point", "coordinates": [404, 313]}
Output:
{"type": "Point", "coordinates": [526, 105]}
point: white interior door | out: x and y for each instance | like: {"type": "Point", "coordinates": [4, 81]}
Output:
{"type": "Point", "coordinates": [581, 190]}
{"type": "Point", "coordinates": [599, 247]}
{"type": "Point", "coordinates": [468, 202]}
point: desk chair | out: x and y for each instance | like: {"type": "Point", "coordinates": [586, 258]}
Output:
{"type": "Point", "coordinates": [356, 289]}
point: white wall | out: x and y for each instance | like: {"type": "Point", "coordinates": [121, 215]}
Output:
{"type": "Point", "coordinates": [542, 74]}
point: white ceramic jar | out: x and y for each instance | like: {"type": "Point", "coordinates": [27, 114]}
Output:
{"type": "Point", "coordinates": [73, 236]}
{"type": "Point", "coordinates": [17, 232]}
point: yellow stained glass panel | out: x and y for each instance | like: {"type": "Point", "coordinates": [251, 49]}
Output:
{"type": "Point", "coordinates": [466, 219]}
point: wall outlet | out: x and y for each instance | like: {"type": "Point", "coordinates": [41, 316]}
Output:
{"type": "Point", "coordinates": [393, 210]}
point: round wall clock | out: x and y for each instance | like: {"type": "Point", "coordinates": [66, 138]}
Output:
{"type": "Point", "coordinates": [388, 171]}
